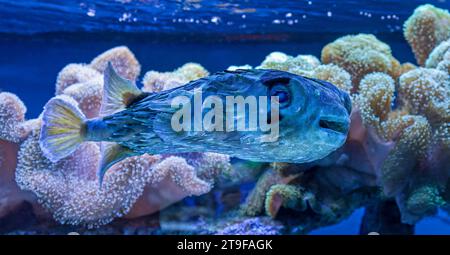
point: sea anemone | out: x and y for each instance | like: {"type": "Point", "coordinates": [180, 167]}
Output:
{"type": "Point", "coordinates": [425, 29]}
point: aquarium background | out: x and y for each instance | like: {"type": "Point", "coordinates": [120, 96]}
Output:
{"type": "Point", "coordinates": [38, 38]}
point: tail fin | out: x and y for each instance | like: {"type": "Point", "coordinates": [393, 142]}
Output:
{"type": "Point", "coordinates": [63, 128]}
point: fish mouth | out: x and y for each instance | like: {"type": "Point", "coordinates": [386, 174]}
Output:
{"type": "Point", "coordinates": [334, 124]}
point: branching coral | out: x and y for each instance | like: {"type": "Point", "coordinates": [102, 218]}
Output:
{"type": "Point", "coordinates": [156, 81]}
{"type": "Point", "coordinates": [359, 55]}
{"type": "Point", "coordinates": [122, 59]}
{"type": "Point", "coordinates": [425, 29]}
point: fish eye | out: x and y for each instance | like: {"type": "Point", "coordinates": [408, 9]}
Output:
{"type": "Point", "coordinates": [282, 93]}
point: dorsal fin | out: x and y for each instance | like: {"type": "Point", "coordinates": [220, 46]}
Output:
{"type": "Point", "coordinates": [118, 92]}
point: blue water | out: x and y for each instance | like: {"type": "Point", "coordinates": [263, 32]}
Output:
{"type": "Point", "coordinates": [38, 38]}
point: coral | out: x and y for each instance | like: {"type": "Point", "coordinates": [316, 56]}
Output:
{"type": "Point", "coordinates": [192, 71]}
{"type": "Point", "coordinates": [282, 195]}
{"type": "Point", "coordinates": [375, 98]}
{"type": "Point", "coordinates": [398, 168]}
{"type": "Point", "coordinates": [308, 65]}
{"type": "Point", "coordinates": [424, 200]}
{"type": "Point", "coordinates": [318, 198]}
{"type": "Point", "coordinates": [333, 74]}
{"type": "Point", "coordinates": [255, 202]}
{"type": "Point", "coordinates": [177, 176]}
{"type": "Point", "coordinates": [425, 29]}
{"type": "Point", "coordinates": [442, 135]}
{"type": "Point", "coordinates": [364, 150]}
{"type": "Point", "coordinates": [122, 59]}
{"type": "Point", "coordinates": [75, 73]}
{"type": "Point", "coordinates": [183, 174]}
{"type": "Point", "coordinates": [438, 54]}
{"type": "Point", "coordinates": [359, 55]}
{"type": "Point", "coordinates": [297, 65]}
{"type": "Point", "coordinates": [11, 196]}
{"type": "Point", "coordinates": [275, 60]}
{"type": "Point", "coordinates": [426, 91]}
{"type": "Point", "coordinates": [69, 188]}
{"type": "Point", "coordinates": [440, 57]}
{"type": "Point", "coordinates": [88, 95]}
{"type": "Point", "coordinates": [396, 151]}
{"type": "Point", "coordinates": [134, 187]}
{"type": "Point", "coordinates": [12, 113]}
{"type": "Point", "coordinates": [234, 68]}
{"type": "Point", "coordinates": [251, 226]}
{"type": "Point", "coordinates": [406, 67]}
{"type": "Point", "coordinates": [156, 81]}
{"type": "Point", "coordinates": [444, 65]}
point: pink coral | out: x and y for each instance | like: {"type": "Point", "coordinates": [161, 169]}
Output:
{"type": "Point", "coordinates": [122, 59]}
{"type": "Point", "coordinates": [74, 73]}
{"type": "Point", "coordinates": [12, 113]}
{"type": "Point", "coordinates": [137, 186]}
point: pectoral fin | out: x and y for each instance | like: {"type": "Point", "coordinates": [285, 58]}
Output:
{"type": "Point", "coordinates": [118, 92]}
{"type": "Point", "coordinates": [111, 154]}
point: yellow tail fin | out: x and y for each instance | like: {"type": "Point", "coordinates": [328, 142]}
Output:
{"type": "Point", "coordinates": [63, 128]}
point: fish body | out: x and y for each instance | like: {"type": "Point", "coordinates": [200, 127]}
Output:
{"type": "Point", "coordinates": [312, 119]}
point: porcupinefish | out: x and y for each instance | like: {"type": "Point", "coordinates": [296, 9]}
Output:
{"type": "Point", "coordinates": [312, 117]}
